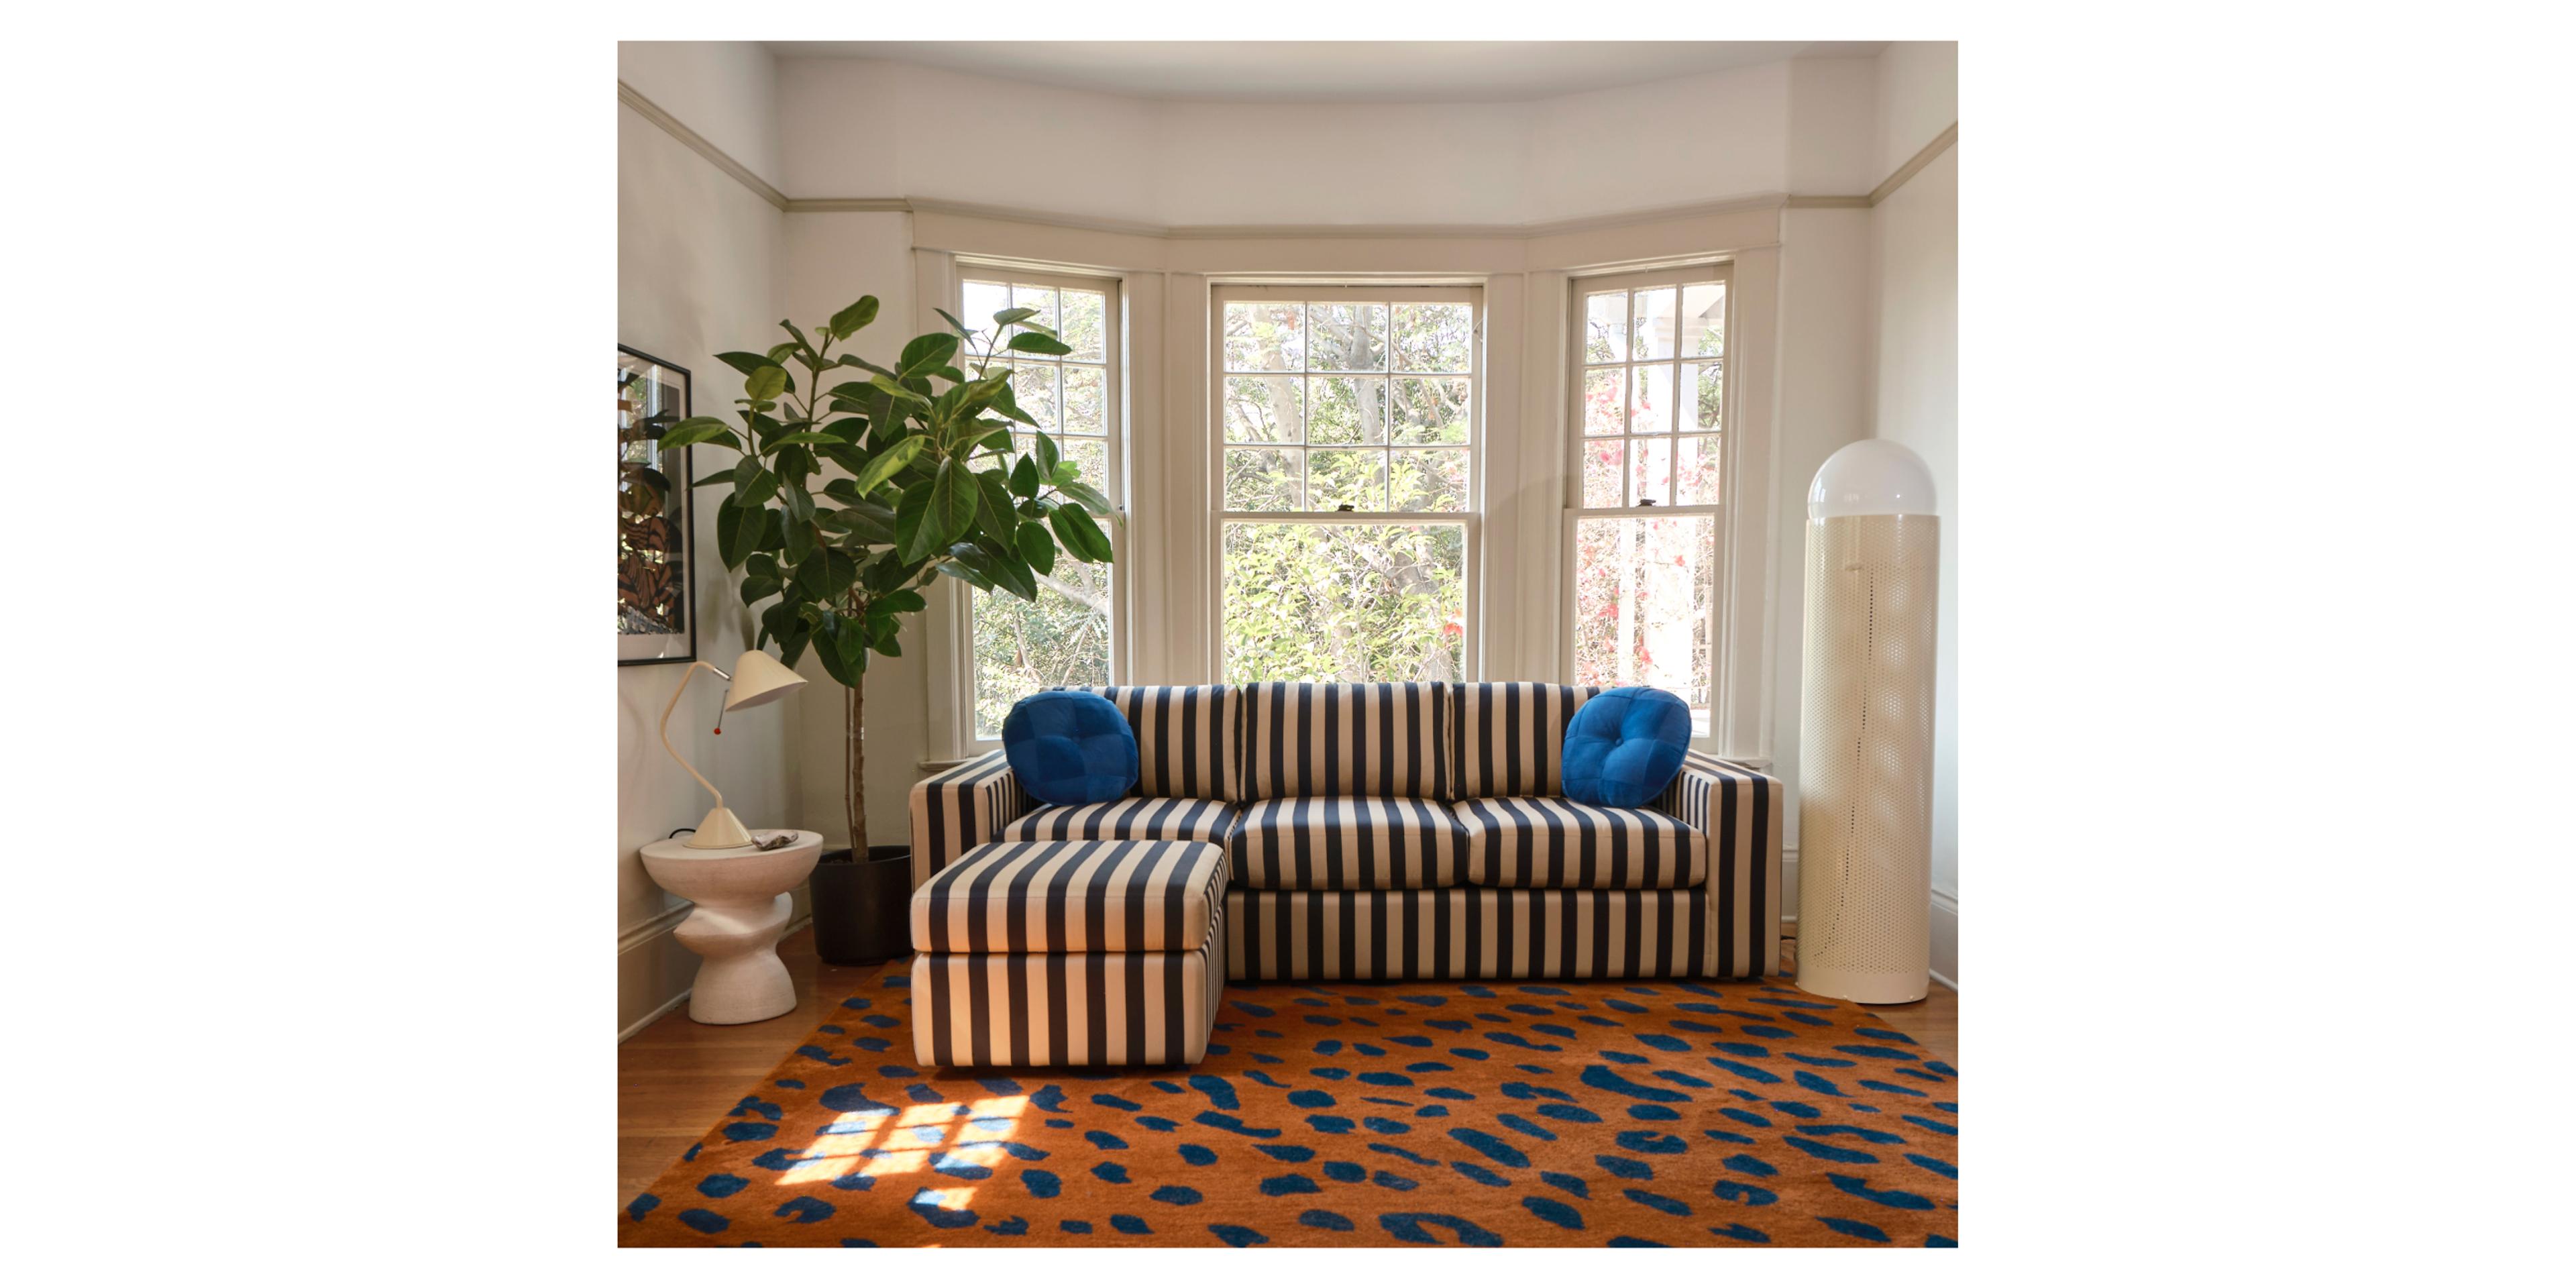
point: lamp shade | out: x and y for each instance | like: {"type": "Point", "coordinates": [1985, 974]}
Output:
{"type": "Point", "coordinates": [1872, 476]}
{"type": "Point", "coordinates": [759, 678]}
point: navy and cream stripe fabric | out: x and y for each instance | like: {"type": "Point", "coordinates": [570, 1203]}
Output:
{"type": "Point", "coordinates": [1471, 933]}
{"type": "Point", "coordinates": [959, 808]}
{"type": "Point", "coordinates": [1072, 897]}
{"type": "Point", "coordinates": [1740, 810]}
{"type": "Point", "coordinates": [1550, 843]}
{"type": "Point", "coordinates": [1347, 740]}
{"type": "Point", "coordinates": [1065, 1009]}
{"type": "Point", "coordinates": [1511, 738]}
{"type": "Point", "coordinates": [1185, 738]}
{"type": "Point", "coordinates": [1346, 843]}
{"type": "Point", "coordinates": [1134, 818]}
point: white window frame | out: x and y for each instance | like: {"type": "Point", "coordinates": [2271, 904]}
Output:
{"type": "Point", "coordinates": [1721, 647]}
{"type": "Point", "coordinates": [1212, 431]}
{"type": "Point", "coordinates": [962, 597]}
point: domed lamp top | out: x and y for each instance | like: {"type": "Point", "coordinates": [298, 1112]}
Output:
{"type": "Point", "coordinates": [1872, 476]}
{"type": "Point", "coordinates": [759, 678]}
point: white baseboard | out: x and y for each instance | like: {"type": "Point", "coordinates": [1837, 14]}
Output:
{"type": "Point", "coordinates": [662, 925]}
{"type": "Point", "coordinates": [657, 1013]}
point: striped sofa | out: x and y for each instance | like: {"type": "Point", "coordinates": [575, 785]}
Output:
{"type": "Point", "coordinates": [1412, 831]}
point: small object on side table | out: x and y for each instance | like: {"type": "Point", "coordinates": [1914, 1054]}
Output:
{"type": "Point", "coordinates": [743, 905]}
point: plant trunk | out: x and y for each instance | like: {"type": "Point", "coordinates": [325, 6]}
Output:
{"type": "Point", "coordinates": [854, 763]}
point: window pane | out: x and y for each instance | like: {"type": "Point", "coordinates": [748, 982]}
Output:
{"type": "Point", "coordinates": [1605, 394]}
{"type": "Point", "coordinates": [1651, 410]}
{"type": "Point", "coordinates": [1430, 411]}
{"type": "Point", "coordinates": [1434, 337]}
{"type": "Point", "coordinates": [1654, 325]}
{"type": "Point", "coordinates": [1086, 405]}
{"type": "Point", "coordinates": [1704, 320]}
{"type": "Point", "coordinates": [982, 301]}
{"type": "Point", "coordinates": [1605, 463]}
{"type": "Point", "coordinates": [1346, 337]}
{"type": "Point", "coordinates": [1263, 409]}
{"type": "Point", "coordinates": [1707, 382]}
{"type": "Point", "coordinates": [1643, 590]}
{"type": "Point", "coordinates": [1356, 478]}
{"type": "Point", "coordinates": [1344, 602]}
{"type": "Point", "coordinates": [1261, 336]}
{"type": "Point", "coordinates": [1041, 298]}
{"type": "Point", "coordinates": [1033, 386]}
{"type": "Point", "coordinates": [1651, 467]}
{"type": "Point", "coordinates": [1605, 327]}
{"type": "Point", "coordinates": [1433, 480]}
{"type": "Point", "coordinates": [1263, 478]}
{"type": "Point", "coordinates": [1695, 470]}
{"type": "Point", "coordinates": [1345, 409]}
{"type": "Point", "coordinates": [1086, 325]}
{"type": "Point", "coordinates": [1092, 455]}
{"type": "Point", "coordinates": [1021, 648]}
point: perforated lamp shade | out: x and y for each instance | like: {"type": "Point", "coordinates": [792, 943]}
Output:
{"type": "Point", "coordinates": [1865, 720]}
{"type": "Point", "coordinates": [757, 679]}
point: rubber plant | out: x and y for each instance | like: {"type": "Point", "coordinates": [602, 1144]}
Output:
{"type": "Point", "coordinates": [858, 484]}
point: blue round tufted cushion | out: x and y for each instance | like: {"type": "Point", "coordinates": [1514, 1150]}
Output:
{"type": "Point", "coordinates": [1623, 747]}
{"type": "Point", "coordinates": [1068, 747]}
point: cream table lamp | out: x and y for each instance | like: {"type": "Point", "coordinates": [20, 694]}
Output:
{"type": "Point", "coordinates": [757, 678]}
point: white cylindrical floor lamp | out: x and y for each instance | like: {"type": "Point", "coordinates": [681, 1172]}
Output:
{"type": "Point", "coordinates": [1865, 727]}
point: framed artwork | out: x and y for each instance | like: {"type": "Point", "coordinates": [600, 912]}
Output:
{"type": "Point", "coordinates": [656, 621]}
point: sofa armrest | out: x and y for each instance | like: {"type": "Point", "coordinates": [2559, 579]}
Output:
{"type": "Point", "coordinates": [957, 809]}
{"type": "Point", "coordinates": [1740, 810]}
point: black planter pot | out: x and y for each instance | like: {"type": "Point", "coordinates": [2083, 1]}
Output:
{"type": "Point", "coordinates": [862, 909]}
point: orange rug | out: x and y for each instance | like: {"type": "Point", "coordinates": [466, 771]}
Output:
{"type": "Point", "coordinates": [1541, 1113]}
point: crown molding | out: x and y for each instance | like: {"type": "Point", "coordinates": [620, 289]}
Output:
{"type": "Point", "coordinates": [695, 142]}
{"type": "Point", "coordinates": [1931, 152]}
{"type": "Point", "coordinates": [716, 156]}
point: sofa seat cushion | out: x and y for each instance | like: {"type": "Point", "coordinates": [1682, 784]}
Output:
{"type": "Point", "coordinates": [1135, 818]}
{"type": "Point", "coordinates": [1346, 843]}
{"type": "Point", "coordinates": [1073, 897]}
{"type": "Point", "coordinates": [1550, 843]}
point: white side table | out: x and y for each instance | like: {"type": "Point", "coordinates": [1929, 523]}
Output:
{"type": "Point", "coordinates": [742, 906]}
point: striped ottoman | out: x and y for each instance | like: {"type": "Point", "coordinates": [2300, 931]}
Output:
{"type": "Point", "coordinates": [1040, 953]}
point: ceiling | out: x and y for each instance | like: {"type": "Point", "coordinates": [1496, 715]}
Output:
{"type": "Point", "coordinates": [1292, 71]}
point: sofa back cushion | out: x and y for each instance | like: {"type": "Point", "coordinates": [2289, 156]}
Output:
{"type": "Point", "coordinates": [1185, 738]}
{"type": "Point", "coordinates": [1511, 737]}
{"type": "Point", "coordinates": [1348, 740]}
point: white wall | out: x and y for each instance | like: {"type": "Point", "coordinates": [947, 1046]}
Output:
{"type": "Point", "coordinates": [1914, 274]}
{"type": "Point", "coordinates": [865, 128]}
{"type": "Point", "coordinates": [696, 252]}
{"type": "Point", "coordinates": [727, 91]}
{"type": "Point", "coordinates": [1824, 404]}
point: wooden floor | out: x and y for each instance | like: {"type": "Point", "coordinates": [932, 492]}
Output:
{"type": "Point", "coordinates": [677, 1077]}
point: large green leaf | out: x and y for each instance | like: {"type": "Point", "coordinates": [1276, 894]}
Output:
{"type": "Point", "coordinates": [766, 383]}
{"type": "Point", "coordinates": [799, 542]}
{"type": "Point", "coordinates": [1024, 478]}
{"type": "Point", "coordinates": [1000, 566]}
{"type": "Point", "coordinates": [1036, 547]}
{"type": "Point", "coordinates": [925, 352]}
{"type": "Point", "coordinates": [1089, 498]}
{"type": "Point", "coordinates": [1009, 316]}
{"type": "Point", "coordinates": [848, 322]}
{"type": "Point", "coordinates": [891, 388]}
{"type": "Point", "coordinates": [738, 530]}
{"type": "Point", "coordinates": [1032, 342]}
{"type": "Point", "coordinates": [699, 429]}
{"type": "Point", "coordinates": [807, 437]}
{"type": "Point", "coordinates": [1082, 538]}
{"type": "Point", "coordinates": [746, 363]}
{"type": "Point", "coordinates": [961, 328]}
{"type": "Point", "coordinates": [1044, 450]}
{"type": "Point", "coordinates": [900, 453]}
{"type": "Point", "coordinates": [953, 500]}
{"type": "Point", "coordinates": [916, 537]}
